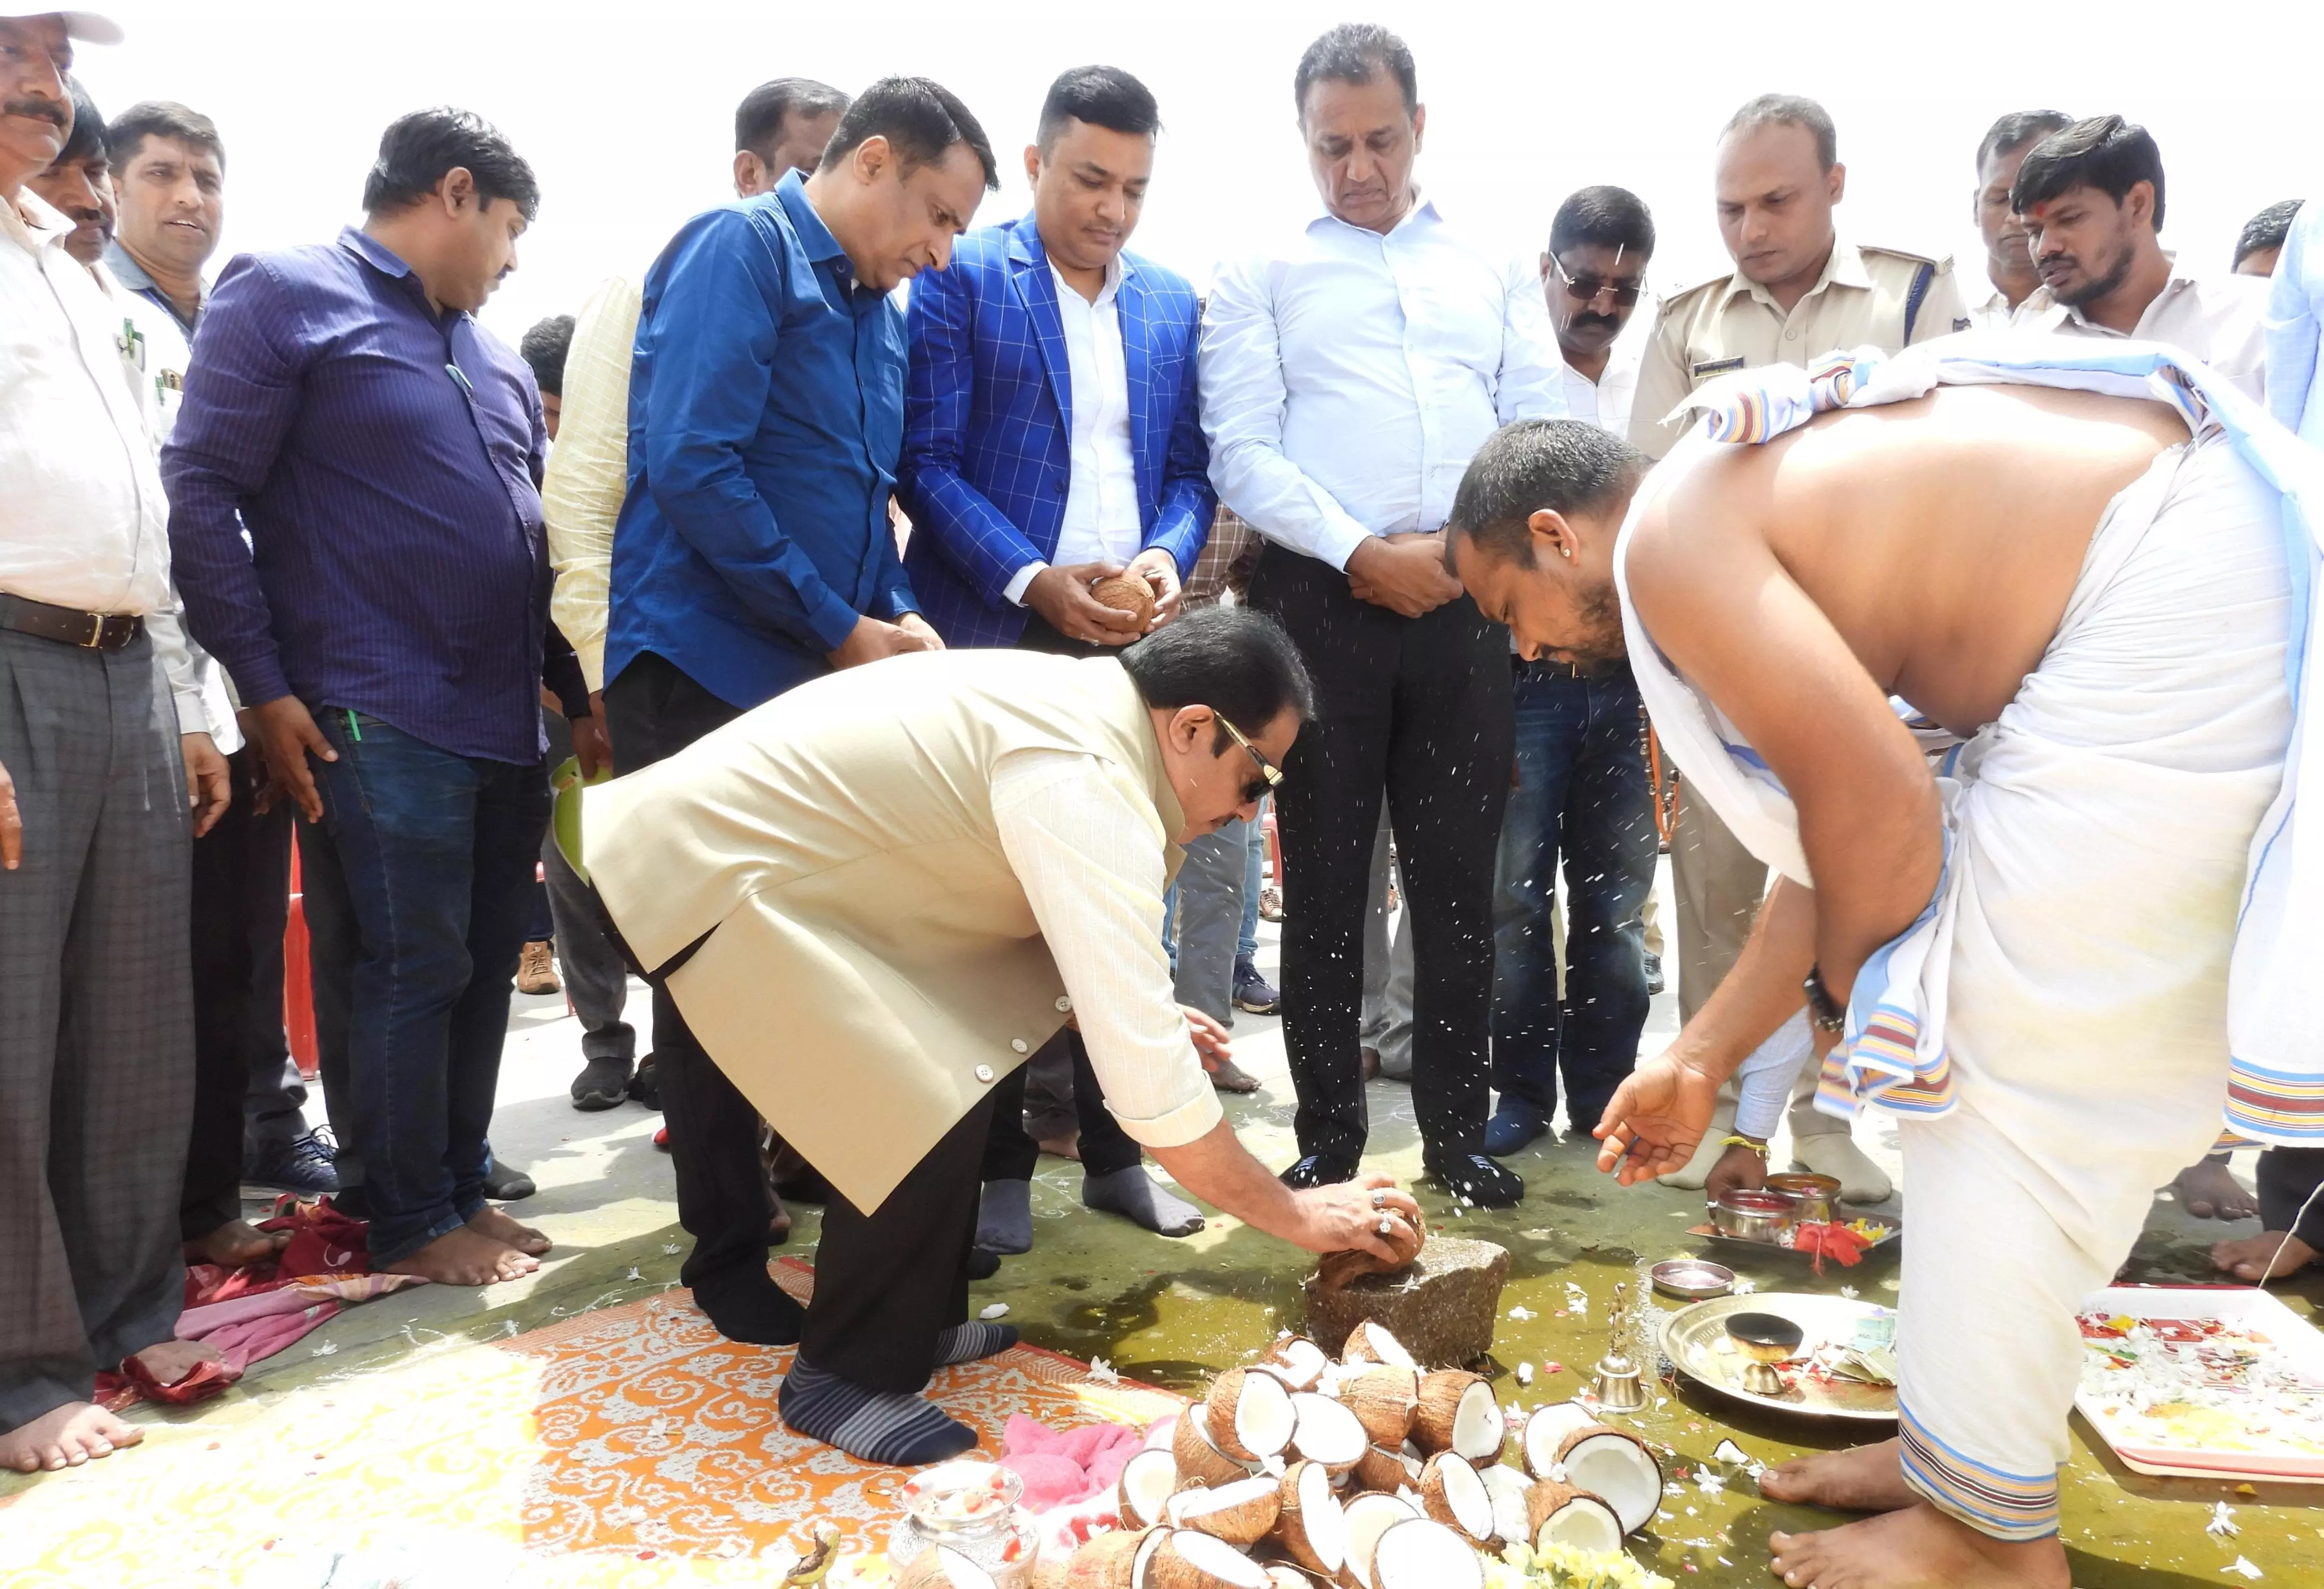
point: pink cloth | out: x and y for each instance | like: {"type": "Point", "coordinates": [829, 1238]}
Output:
{"type": "Point", "coordinates": [1060, 1469]}
{"type": "Point", "coordinates": [258, 1324]}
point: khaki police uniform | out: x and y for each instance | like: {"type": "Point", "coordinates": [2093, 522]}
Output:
{"type": "Point", "coordinates": [1883, 296]}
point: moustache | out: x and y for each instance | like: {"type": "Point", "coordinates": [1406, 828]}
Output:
{"type": "Point", "coordinates": [47, 110]}
{"type": "Point", "coordinates": [1583, 320]}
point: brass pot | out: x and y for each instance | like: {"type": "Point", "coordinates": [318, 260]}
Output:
{"type": "Point", "coordinates": [1815, 1198]}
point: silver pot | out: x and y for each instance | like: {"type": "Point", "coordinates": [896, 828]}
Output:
{"type": "Point", "coordinates": [1754, 1215]}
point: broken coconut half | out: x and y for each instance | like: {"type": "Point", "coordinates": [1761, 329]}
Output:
{"type": "Point", "coordinates": [1559, 1514]}
{"type": "Point", "coordinates": [1311, 1524]}
{"type": "Point", "coordinates": [1240, 1513]}
{"type": "Point", "coordinates": [1197, 1459]}
{"type": "Point", "coordinates": [1369, 1343]}
{"type": "Point", "coordinates": [1146, 1481]}
{"type": "Point", "coordinates": [938, 1567]}
{"type": "Point", "coordinates": [1107, 1560]}
{"type": "Point", "coordinates": [1382, 1471]}
{"type": "Point", "coordinates": [1282, 1575]}
{"type": "Point", "coordinates": [1507, 1488]}
{"type": "Point", "coordinates": [1617, 1467]}
{"type": "Point", "coordinates": [1425, 1555]}
{"type": "Point", "coordinates": [1383, 1400]}
{"type": "Point", "coordinates": [1298, 1361]}
{"type": "Point", "coordinates": [1545, 1431]}
{"type": "Point", "coordinates": [1186, 1560]}
{"type": "Point", "coordinates": [1456, 1412]}
{"type": "Point", "coordinates": [1326, 1431]}
{"type": "Point", "coordinates": [1367, 1518]}
{"type": "Point", "coordinates": [1452, 1493]}
{"type": "Point", "coordinates": [1250, 1415]}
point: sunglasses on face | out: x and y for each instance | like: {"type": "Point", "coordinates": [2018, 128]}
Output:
{"type": "Point", "coordinates": [1583, 288]}
{"type": "Point", "coordinates": [1270, 775]}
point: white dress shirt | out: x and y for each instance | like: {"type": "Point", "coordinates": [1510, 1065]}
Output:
{"type": "Point", "coordinates": [1605, 402]}
{"type": "Point", "coordinates": [82, 521]}
{"type": "Point", "coordinates": [588, 471]}
{"type": "Point", "coordinates": [1348, 379]}
{"type": "Point", "coordinates": [1100, 523]}
{"type": "Point", "coordinates": [2222, 320]}
{"type": "Point", "coordinates": [1081, 841]}
{"type": "Point", "coordinates": [1994, 314]}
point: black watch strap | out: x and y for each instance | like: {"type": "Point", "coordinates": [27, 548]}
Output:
{"type": "Point", "coordinates": [1823, 1012]}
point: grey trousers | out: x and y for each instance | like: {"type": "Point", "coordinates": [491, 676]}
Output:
{"type": "Point", "coordinates": [1210, 919]}
{"type": "Point", "coordinates": [596, 980]}
{"type": "Point", "coordinates": [96, 1040]}
{"type": "Point", "coordinates": [1386, 1020]}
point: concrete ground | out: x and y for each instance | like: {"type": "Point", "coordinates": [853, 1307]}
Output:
{"type": "Point", "coordinates": [1174, 1312]}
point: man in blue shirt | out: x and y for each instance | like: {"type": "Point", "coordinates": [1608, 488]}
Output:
{"type": "Point", "coordinates": [388, 617]}
{"type": "Point", "coordinates": [1051, 439]}
{"type": "Point", "coordinates": [754, 550]}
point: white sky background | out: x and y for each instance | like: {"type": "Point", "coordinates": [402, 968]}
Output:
{"type": "Point", "coordinates": [626, 113]}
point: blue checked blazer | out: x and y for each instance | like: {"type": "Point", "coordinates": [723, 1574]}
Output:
{"type": "Point", "coordinates": [988, 433]}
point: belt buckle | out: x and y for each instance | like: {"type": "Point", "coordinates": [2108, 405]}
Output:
{"type": "Point", "coordinates": [96, 632]}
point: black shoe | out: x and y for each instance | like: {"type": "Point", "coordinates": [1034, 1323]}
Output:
{"type": "Point", "coordinates": [1254, 992]}
{"type": "Point", "coordinates": [643, 1087]}
{"type": "Point", "coordinates": [1475, 1180]}
{"type": "Point", "coordinates": [1319, 1170]}
{"type": "Point", "coordinates": [302, 1166]}
{"type": "Point", "coordinates": [603, 1084]}
{"type": "Point", "coordinates": [505, 1184]}
{"type": "Point", "coordinates": [982, 1263]}
{"type": "Point", "coordinates": [1654, 974]}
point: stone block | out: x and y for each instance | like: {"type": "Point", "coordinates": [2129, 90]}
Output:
{"type": "Point", "coordinates": [1443, 1309]}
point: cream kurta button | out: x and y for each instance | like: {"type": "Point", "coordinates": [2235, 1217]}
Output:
{"type": "Point", "coordinates": [1019, 1044]}
{"type": "Point", "coordinates": [1064, 1005]}
{"type": "Point", "coordinates": [985, 1073]}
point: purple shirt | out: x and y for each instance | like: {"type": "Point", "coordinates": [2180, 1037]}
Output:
{"type": "Point", "coordinates": [385, 462]}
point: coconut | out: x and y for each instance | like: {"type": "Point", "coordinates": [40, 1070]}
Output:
{"type": "Point", "coordinates": [1456, 1412]}
{"type": "Point", "coordinates": [1452, 1493]}
{"type": "Point", "coordinates": [1383, 1400]}
{"type": "Point", "coordinates": [1425, 1555]}
{"type": "Point", "coordinates": [1298, 1361]}
{"type": "Point", "coordinates": [1282, 1575]}
{"type": "Point", "coordinates": [1326, 1431]}
{"type": "Point", "coordinates": [1367, 1518]}
{"type": "Point", "coordinates": [1146, 1546]}
{"type": "Point", "coordinates": [1238, 1514]}
{"type": "Point", "coordinates": [1188, 1559]}
{"type": "Point", "coordinates": [1106, 1561]}
{"type": "Point", "coordinates": [1146, 1481]}
{"type": "Point", "coordinates": [1370, 1342]}
{"type": "Point", "coordinates": [1545, 1431]}
{"type": "Point", "coordinates": [1127, 591]}
{"type": "Point", "coordinates": [1617, 1466]}
{"type": "Point", "coordinates": [1561, 1514]}
{"type": "Point", "coordinates": [1506, 1487]}
{"type": "Point", "coordinates": [1250, 1414]}
{"type": "Point", "coordinates": [1311, 1524]}
{"type": "Point", "coordinates": [938, 1567]}
{"type": "Point", "coordinates": [1198, 1461]}
{"type": "Point", "coordinates": [1380, 1471]}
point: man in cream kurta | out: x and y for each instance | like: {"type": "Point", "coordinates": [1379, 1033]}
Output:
{"type": "Point", "coordinates": [875, 896]}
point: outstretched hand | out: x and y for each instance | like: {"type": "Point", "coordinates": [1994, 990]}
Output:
{"type": "Point", "coordinates": [1654, 1120]}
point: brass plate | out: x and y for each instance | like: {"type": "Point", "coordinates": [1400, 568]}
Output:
{"type": "Point", "coordinates": [1691, 1337]}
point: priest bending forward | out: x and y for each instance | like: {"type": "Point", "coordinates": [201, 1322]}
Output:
{"type": "Point", "coordinates": [2075, 562]}
{"type": "Point", "coordinates": [874, 896]}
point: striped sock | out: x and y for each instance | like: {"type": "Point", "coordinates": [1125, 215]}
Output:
{"type": "Point", "coordinates": [873, 1426]}
{"type": "Point", "coordinates": [965, 1343]}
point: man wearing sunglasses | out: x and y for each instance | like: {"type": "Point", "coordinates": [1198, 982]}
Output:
{"type": "Point", "coordinates": [1798, 291]}
{"type": "Point", "coordinates": [875, 897]}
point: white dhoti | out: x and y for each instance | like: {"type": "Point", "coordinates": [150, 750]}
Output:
{"type": "Point", "coordinates": [2053, 1032]}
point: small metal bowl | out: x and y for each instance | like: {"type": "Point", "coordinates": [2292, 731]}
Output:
{"type": "Point", "coordinates": [1695, 1278]}
{"type": "Point", "coordinates": [1814, 1197]}
{"type": "Point", "coordinates": [1753, 1215]}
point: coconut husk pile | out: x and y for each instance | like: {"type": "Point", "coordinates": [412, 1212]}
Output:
{"type": "Point", "coordinates": [1366, 1472]}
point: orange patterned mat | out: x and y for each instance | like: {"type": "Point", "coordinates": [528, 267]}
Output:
{"type": "Point", "coordinates": [631, 1445]}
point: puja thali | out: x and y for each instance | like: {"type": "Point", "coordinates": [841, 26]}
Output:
{"type": "Point", "coordinates": [1816, 1380]}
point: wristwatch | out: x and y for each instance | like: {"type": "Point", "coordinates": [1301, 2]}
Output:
{"type": "Point", "coordinates": [1823, 1013]}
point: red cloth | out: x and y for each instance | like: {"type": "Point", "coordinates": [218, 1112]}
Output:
{"type": "Point", "coordinates": [323, 1242]}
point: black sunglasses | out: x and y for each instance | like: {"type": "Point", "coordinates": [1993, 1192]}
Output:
{"type": "Point", "coordinates": [1270, 775]}
{"type": "Point", "coordinates": [1584, 287]}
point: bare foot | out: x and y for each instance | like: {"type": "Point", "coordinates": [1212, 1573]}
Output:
{"type": "Point", "coordinates": [1919, 1546]}
{"type": "Point", "coordinates": [466, 1258]}
{"type": "Point", "coordinates": [496, 1223]}
{"type": "Point", "coordinates": [2245, 1258]}
{"type": "Point", "coordinates": [1063, 1147]}
{"type": "Point", "coordinates": [2207, 1191]}
{"type": "Point", "coordinates": [1230, 1077]}
{"type": "Point", "coordinates": [1368, 1064]}
{"type": "Point", "coordinates": [236, 1243]}
{"type": "Point", "coordinates": [171, 1361]}
{"type": "Point", "coordinates": [1863, 1478]}
{"type": "Point", "coordinates": [65, 1436]}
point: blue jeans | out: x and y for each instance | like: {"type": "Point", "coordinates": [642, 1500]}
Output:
{"type": "Point", "coordinates": [1254, 878]}
{"type": "Point", "coordinates": [1582, 796]}
{"type": "Point", "coordinates": [437, 854]}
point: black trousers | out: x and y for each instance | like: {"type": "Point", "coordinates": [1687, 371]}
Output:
{"type": "Point", "coordinates": [1011, 1154]}
{"type": "Point", "coordinates": [1419, 707]}
{"type": "Point", "coordinates": [888, 1284]}
{"type": "Point", "coordinates": [654, 709]}
{"type": "Point", "coordinates": [2288, 1178]}
{"type": "Point", "coordinates": [241, 899]}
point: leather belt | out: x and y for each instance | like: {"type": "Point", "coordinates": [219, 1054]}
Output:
{"type": "Point", "coordinates": [93, 631]}
{"type": "Point", "coordinates": [1571, 670]}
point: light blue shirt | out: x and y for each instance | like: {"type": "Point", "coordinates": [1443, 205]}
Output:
{"type": "Point", "coordinates": [2295, 327]}
{"type": "Point", "coordinates": [1348, 379]}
